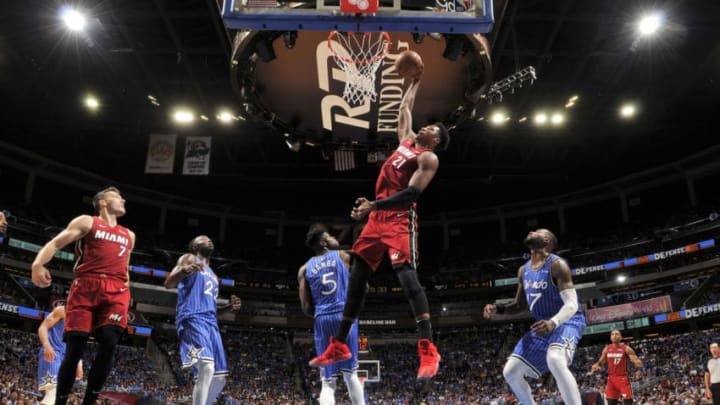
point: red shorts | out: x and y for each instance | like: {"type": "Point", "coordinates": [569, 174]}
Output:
{"type": "Point", "coordinates": [96, 301]}
{"type": "Point", "coordinates": [394, 232]}
{"type": "Point", "coordinates": [618, 387]}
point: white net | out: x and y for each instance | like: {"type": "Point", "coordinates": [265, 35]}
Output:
{"type": "Point", "coordinates": [359, 55]}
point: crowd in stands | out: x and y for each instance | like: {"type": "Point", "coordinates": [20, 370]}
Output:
{"type": "Point", "coordinates": [266, 368]}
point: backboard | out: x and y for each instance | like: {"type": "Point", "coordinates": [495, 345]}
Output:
{"type": "Point", "coordinates": [370, 369]}
{"type": "Point", "coordinates": [412, 16]}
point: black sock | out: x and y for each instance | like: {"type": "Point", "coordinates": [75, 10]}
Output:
{"type": "Point", "coordinates": [344, 330]}
{"type": "Point", "coordinates": [74, 349]}
{"type": "Point", "coordinates": [425, 328]}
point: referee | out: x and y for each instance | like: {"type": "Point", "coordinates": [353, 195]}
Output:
{"type": "Point", "coordinates": [712, 375]}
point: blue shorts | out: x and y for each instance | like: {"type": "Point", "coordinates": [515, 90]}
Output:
{"type": "Point", "coordinates": [532, 348]}
{"type": "Point", "coordinates": [199, 339]}
{"type": "Point", "coordinates": [48, 371]}
{"type": "Point", "coordinates": [326, 326]}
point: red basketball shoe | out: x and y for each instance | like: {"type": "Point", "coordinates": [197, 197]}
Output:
{"type": "Point", "coordinates": [336, 351]}
{"type": "Point", "coordinates": [429, 359]}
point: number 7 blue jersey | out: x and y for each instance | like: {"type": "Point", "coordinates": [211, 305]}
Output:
{"type": "Point", "coordinates": [327, 277]}
{"type": "Point", "coordinates": [543, 296]}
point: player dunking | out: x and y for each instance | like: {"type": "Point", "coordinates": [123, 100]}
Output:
{"type": "Point", "coordinates": [99, 296]}
{"type": "Point", "coordinates": [392, 229]}
{"type": "Point", "coordinates": [323, 282]}
{"type": "Point", "coordinates": [52, 353]}
{"type": "Point", "coordinates": [196, 319]}
{"type": "Point", "coordinates": [616, 355]}
{"type": "Point", "coordinates": [545, 287]}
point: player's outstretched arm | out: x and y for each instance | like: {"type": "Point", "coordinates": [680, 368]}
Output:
{"type": "Point", "coordinates": [186, 264]}
{"type": "Point", "coordinates": [405, 115]}
{"type": "Point", "coordinates": [76, 230]}
{"type": "Point", "coordinates": [514, 310]}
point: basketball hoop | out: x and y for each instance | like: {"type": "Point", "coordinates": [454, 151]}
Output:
{"type": "Point", "coordinates": [359, 55]}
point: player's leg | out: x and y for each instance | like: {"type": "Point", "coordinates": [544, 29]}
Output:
{"type": "Point", "coordinates": [349, 369]}
{"type": "Point", "coordinates": [107, 338]}
{"type": "Point", "coordinates": [74, 349]}
{"type": "Point", "coordinates": [220, 368]}
{"type": "Point", "coordinates": [562, 344]}
{"type": "Point", "coordinates": [327, 392]}
{"type": "Point", "coordinates": [205, 370]}
{"type": "Point", "coordinates": [78, 325]}
{"type": "Point", "coordinates": [47, 377]}
{"type": "Point", "coordinates": [403, 255]}
{"type": "Point", "coordinates": [110, 322]}
{"type": "Point", "coordinates": [357, 292]}
{"type": "Point", "coordinates": [48, 396]}
{"type": "Point", "coordinates": [514, 372]}
{"type": "Point", "coordinates": [354, 387]}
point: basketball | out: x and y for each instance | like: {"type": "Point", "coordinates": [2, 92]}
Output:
{"type": "Point", "coordinates": [409, 65]}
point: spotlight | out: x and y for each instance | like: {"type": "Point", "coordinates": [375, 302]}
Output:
{"type": "Point", "coordinates": [74, 20]}
{"type": "Point", "coordinates": [628, 110]}
{"type": "Point", "coordinates": [289, 37]}
{"type": "Point", "coordinates": [418, 37]}
{"type": "Point", "coordinates": [621, 278]}
{"type": "Point", "coordinates": [92, 103]}
{"type": "Point", "coordinates": [454, 45]}
{"type": "Point", "coordinates": [264, 49]}
{"type": "Point", "coordinates": [649, 24]}
{"type": "Point", "coordinates": [541, 119]}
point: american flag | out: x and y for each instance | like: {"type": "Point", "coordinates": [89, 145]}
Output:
{"type": "Point", "coordinates": [344, 160]}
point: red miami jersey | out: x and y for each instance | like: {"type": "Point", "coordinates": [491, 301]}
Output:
{"type": "Point", "coordinates": [617, 360]}
{"type": "Point", "coordinates": [397, 169]}
{"type": "Point", "coordinates": [104, 251]}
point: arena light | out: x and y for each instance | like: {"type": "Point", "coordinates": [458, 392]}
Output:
{"type": "Point", "coordinates": [225, 116]}
{"type": "Point", "coordinates": [499, 118]}
{"type": "Point", "coordinates": [91, 102]}
{"type": "Point", "coordinates": [183, 116]}
{"type": "Point", "coordinates": [649, 24]}
{"type": "Point", "coordinates": [74, 20]}
{"type": "Point", "coordinates": [628, 110]}
{"type": "Point", "coordinates": [540, 119]}
{"type": "Point", "coordinates": [557, 119]}
{"type": "Point", "coordinates": [621, 278]}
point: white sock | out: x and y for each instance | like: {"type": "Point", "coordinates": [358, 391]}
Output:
{"type": "Point", "coordinates": [514, 372]}
{"type": "Point", "coordinates": [205, 369]}
{"type": "Point", "coordinates": [327, 392]}
{"type": "Point", "coordinates": [216, 386]}
{"type": "Point", "coordinates": [354, 387]}
{"type": "Point", "coordinates": [558, 359]}
{"type": "Point", "coordinates": [49, 398]}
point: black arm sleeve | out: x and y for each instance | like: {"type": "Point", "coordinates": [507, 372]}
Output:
{"type": "Point", "coordinates": [399, 199]}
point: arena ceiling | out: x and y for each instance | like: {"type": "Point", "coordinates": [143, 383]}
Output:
{"type": "Point", "coordinates": [179, 52]}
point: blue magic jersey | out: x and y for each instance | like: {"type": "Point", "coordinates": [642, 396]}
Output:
{"type": "Point", "coordinates": [327, 277]}
{"type": "Point", "coordinates": [543, 296]}
{"type": "Point", "coordinates": [197, 295]}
